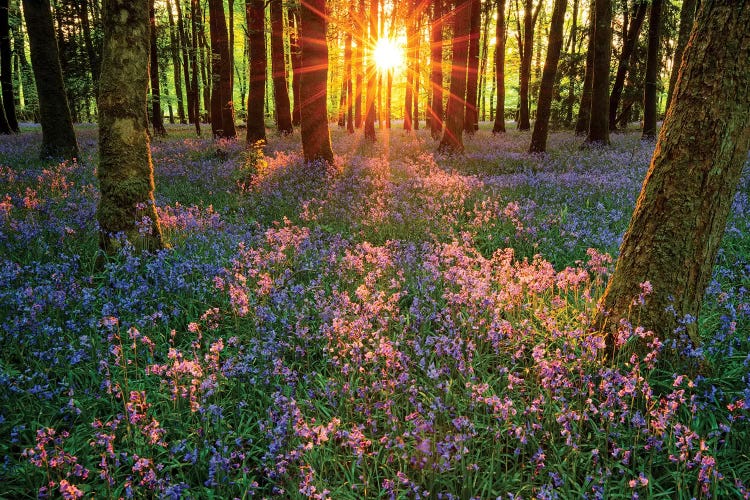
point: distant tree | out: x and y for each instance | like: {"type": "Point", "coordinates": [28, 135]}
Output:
{"type": "Point", "coordinates": [58, 137]}
{"type": "Point", "coordinates": [544, 104]}
{"type": "Point", "coordinates": [125, 172]}
{"type": "Point", "coordinates": [194, 74]}
{"type": "Point", "coordinates": [157, 117]}
{"type": "Point", "coordinates": [452, 141]}
{"type": "Point", "coordinates": [316, 138]}
{"type": "Point", "coordinates": [435, 111]}
{"type": "Point", "coordinates": [652, 71]}
{"type": "Point", "coordinates": [471, 114]}
{"type": "Point", "coordinates": [499, 125]}
{"type": "Point", "coordinates": [599, 121]}
{"type": "Point", "coordinates": [526, 49]}
{"type": "Point", "coordinates": [584, 108]}
{"type": "Point", "coordinates": [256, 127]}
{"type": "Point", "coordinates": [6, 73]}
{"type": "Point", "coordinates": [687, 14]}
{"type": "Point", "coordinates": [359, 64]}
{"type": "Point", "coordinates": [296, 57]}
{"type": "Point", "coordinates": [278, 68]}
{"type": "Point", "coordinates": [174, 46]}
{"type": "Point", "coordinates": [349, 88]}
{"type": "Point", "coordinates": [222, 105]}
{"type": "Point", "coordinates": [628, 46]}
{"type": "Point", "coordinates": [411, 36]}
{"type": "Point", "coordinates": [370, 93]}
{"type": "Point", "coordinates": [680, 216]}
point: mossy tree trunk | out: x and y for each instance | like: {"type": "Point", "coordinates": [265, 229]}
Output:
{"type": "Point", "coordinates": [680, 216]}
{"type": "Point", "coordinates": [687, 14]}
{"type": "Point", "coordinates": [222, 106]}
{"type": "Point", "coordinates": [256, 127]}
{"type": "Point", "coordinates": [599, 120]}
{"type": "Point", "coordinates": [499, 125]}
{"type": "Point", "coordinates": [58, 137]}
{"type": "Point", "coordinates": [125, 172]}
{"type": "Point", "coordinates": [544, 105]}
{"type": "Point", "coordinates": [316, 138]}
{"type": "Point", "coordinates": [452, 141]}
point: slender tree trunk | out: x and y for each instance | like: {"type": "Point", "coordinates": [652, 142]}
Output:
{"type": "Point", "coordinates": [687, 14]}
{"type": "Point", "coordinates": [529, 19]}
{"type": "Point", "coordinates": [256, 128]}
{"type": "Point", "coordinates": [278, 67]}
{"type": "Point", "coordinates": [388, 96]}
{"type": "Point", "coordinates": [359, 61]}
{"type": "Point", "coordinates": [371, 75]}
{"type": "Point", "coordinates": [584, 108]}
{"type": "Point", "coordinates": [486, 10]}
{"type": "Point", "coordinates": [652, 71]}
{"type": "Point", "coordinates": [58, 137]}
{"type": "Point", "coordinates": [415, 93]}
{"type": "Point", "coordinates": [680, 216]}
{"type": "Point", "coordinates": [410, 60]}
{"type": "Point", "coordinates": [125, 172]}
{"type": "Point", "coordinates": [573, 66]}
{"type": "Point", "coordinates": [544, 105]}
{"type": "Point", "coordinates": [599, 123]}
{"type": "Point", "coordinates": [30, 97]}
{"type": "Point", "coordinates": [296, 56]}
{"type": "Point", "coordinates": [349, 83]}
{"type": "Point", "coordinates": [316, 138]}
{"type": "Point", "coordinates": [189, 92]}
{"type": "Point", "coordinates": [499, 125]}
{"type": "Point", "coordinates": [157, 117]}
{"type": "Point", "coordinates": [174, 38]}
{"type": "Point", "coordinates": [94, 57]}
{"type": "Point", "coordinates": [195, 88]}
{"type": "Point", "coordinates": [222, 106]}
{"type": "Point", "coordinates": [435, 113]}
{"type": "Point", "coordinates": [622, 66]}
{"type": "Point", "coordinates": [452, 141]}
{"type": "Point", "coordinates": [6, 73]}
{"type": "Point", "coordinates": [230, 5]}
{"type": "Point", "coordinates": [471, 118]}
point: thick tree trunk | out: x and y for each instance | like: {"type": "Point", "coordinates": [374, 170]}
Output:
{"type": "Point", "coordinates": [6, 78]}
{"type": "Point", "coordinates": [125, 172]}
{"type": "Point", "coordinates": [499, 125]}
{"type": "Point", "coordinates": [652, 71]}
{"type": "Point", "coordinates": [599, 122]}
{"type": "Point", "coordinates": [316, 138]}
{"type": "Point", "coordinates": [622, 66]}
{"type": "Point", "coordinates": [296, 57]}
{"type": "Point", "coordinates": [157, 117]}
{"type": "Point", "coordinates": [584, 108]}
{"type": "Point", "coordinates": [471, 117]}
{"type": "Point", "coordinates": [58, 137]}
{"type": "Point", "coordinates": [679, 219]}
{"type": "Point", "coordinates": [256, 128]}
{"type": "Point", "coordinates": [544, 105]}
{"type": "Point", "coordinates": [687, 14]}
{"type": "Point", "coordinates": [452, 141]}
{"type": "Point", "coordinates": [222, 106]}
{"type": "Point", "coordinates": [174, 38]}
{"type": "Point", "coordinates": [278, 67]}
{"type": "Point", "coordinates": [435, 113]}
{"type": "Point", "coordinates": [371, 74]}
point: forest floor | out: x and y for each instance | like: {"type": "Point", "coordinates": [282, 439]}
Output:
{"type": "Point", "coordinates": [398, 325]}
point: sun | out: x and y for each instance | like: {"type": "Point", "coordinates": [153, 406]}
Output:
{"type": "Point", "coordinates": [388, 54]}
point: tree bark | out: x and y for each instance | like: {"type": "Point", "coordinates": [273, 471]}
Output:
{"type": "Point", "coordinates": [687, 14]}
{"type": "Point", "coordinates": [125, 172]}
{"type": "Point", "coordinates": [573, 66]}
{"type": "Point", "coordinates": [435, 113]}
{"type": "Point", "coordinates": [316, 138]}
{"type": "Point", "coordinates": [256, 128]}
{"type": "Point", "coordinates": [471, 117]}
{"type": "Point", "coordinates": [296, 57]}
{"type": "Point", "coordinates": [526, 52]}
{"type": "Point", "coordinates": [93, 56]}
{"type": "Point", "coordinates": [58, 137]}
{"type": "Point", "coordinates": [599, 122]}
{"type": "Point", "coordinates": [622, 66]}
{"type": "Point", "coordinates": [371, 74]}
{"type": "Point", "coordinates": [278, 67]}
{"type": "Point", "coordinates": [499, 125]}
{"type": "Point", "coordinates": [652, 71]}
{"type": "Point", "coordinates": [194, 88]}
{"type": "Point", "coordinates": [222, 106]}
{"type": "Point", "coordinates": [680, 216]}
{"type": "Point", "coordinates": [584, 108]}
{"type": "Point", "coordinates": [544, 105]}
{"type": "Point", "coordinates": [174, 38]}
{"type": "Point", "coordinates": [6, 74]}
{"type": "Point", "coordinates": [157, 117]}
{"type": "Point", "coordinates": [452, 141]}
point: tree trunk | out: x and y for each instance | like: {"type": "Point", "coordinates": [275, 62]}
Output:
{"type": "Point", "coordinates": [296, 57]}
{"type": "Point", "coordinates": [435, 113]}
{"type": "Point", "coordinates": [687, 14]}
{"type": "Point", "coordinates": [183, 37]}
{"type": "Point", "coordinates": [125, 172]}
{"type": "Point", "coordinates": [526, 53]}
{"type": "Point", "coordinates": [415, 93]}
{"type": "Point", "coordinates": [371, 74]}
{"type": "Point", "coordinates": [599, 122]}
{"type": "Point", "coordinates": [316, 139]}
{"type": "Point", "coordinates": [544, 105]}
{"type": "Point", "coordinates": [174, 38]}
{"type": "Point", "coordinates": [410, 60]}
{"type": "Point", "coordinates": [30, 98]}
{"type": "Point", "coordinates": [359, 58]}
{"type": "Point", "coordinates": [573, 66]}
{"type": "Point", "coordinates": [222, 106]}
{"type": "Point", "coordinates": [157, 117]}
{"type": "Point", "coordinates": [484, 59]}
{"type": "Point", "coordinates": [256, 128]}
{"type": "Point", "coordinates": [452, 141]}
{"type": "Point", "coordinates": [195, 89]}
{"type": "Point", "coordinates": [278, 67]}
{"type": "Point", "coordinates": [584, 108]}
{"type": "Point", "coordinates": [58, 137]}
{"type": "Point", "coordinates": [622, 66]}
{"type": "Point", "coordinates": [471, 118]}
{"type": "Point", "coordinates": [6, 74]}
{"type": "Point", "coordinates": [499, 125]}
{"type": "Point", "coordinates": [94, 57]}
{"type": "Point", "coordinates": [679, 219]}
{"type": "Point", "coordinates": [652, 71]}
{"type": "Point", "coordinates": [349, 86]}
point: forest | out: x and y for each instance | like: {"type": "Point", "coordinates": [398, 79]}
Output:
{"type": "Point", "coordinates": [353, 249]}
